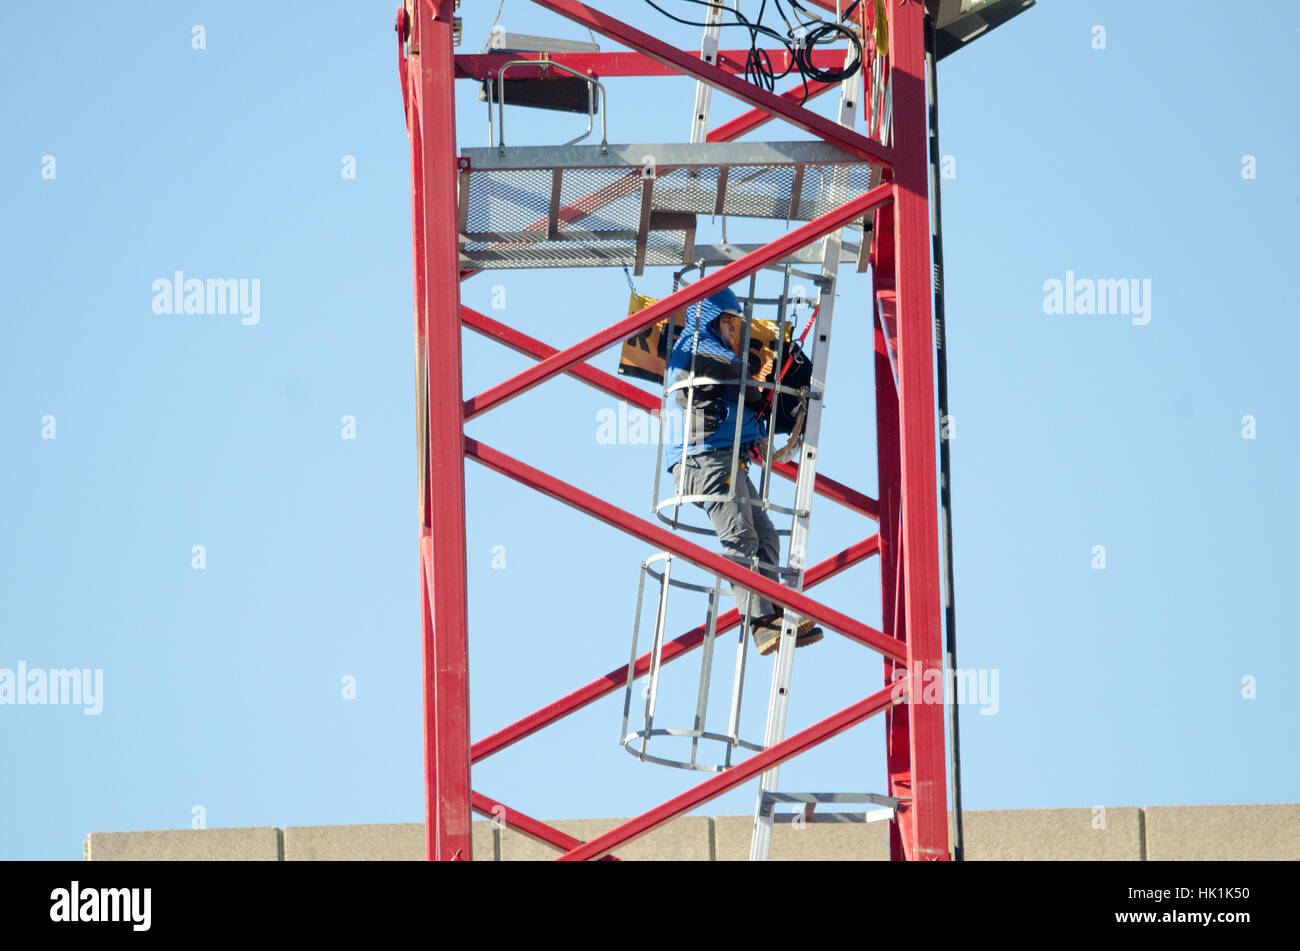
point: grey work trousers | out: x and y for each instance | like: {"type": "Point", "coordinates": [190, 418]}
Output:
{"type": "Point", "coordinates": [747, 535]}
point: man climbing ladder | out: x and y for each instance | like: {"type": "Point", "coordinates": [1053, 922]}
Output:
{"type": "Point", "coordinates": [708, 359]}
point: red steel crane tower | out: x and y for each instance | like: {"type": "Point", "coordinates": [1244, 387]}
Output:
{"type": "Point", "coordinates": [887, 197]}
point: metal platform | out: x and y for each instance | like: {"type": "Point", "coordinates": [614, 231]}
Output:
{"type": "Point", "coordinates": [636, 205]}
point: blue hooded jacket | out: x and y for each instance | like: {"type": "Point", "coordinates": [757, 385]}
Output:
{"type": "Point", "coordinates": [713, 407]}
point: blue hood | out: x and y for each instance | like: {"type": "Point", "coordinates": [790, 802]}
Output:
{"type": "Point", "coordinates": [701, 315]}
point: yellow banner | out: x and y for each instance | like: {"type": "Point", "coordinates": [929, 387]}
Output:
{"type": "Point", "coordinates": [645, 355]}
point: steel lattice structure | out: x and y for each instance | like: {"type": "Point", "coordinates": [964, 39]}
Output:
{"type": "Point", "coordinates": [894, 216]}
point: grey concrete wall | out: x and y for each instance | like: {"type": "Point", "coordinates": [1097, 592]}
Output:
{"type": "Point", "coordinates": [394, 842]}
{"type": "Point", "coordinates": [1105, 833]}
{"type": "Point", "coordinates": [1266, 832]}
{"type": "Point", "coordinates": [200, 845]}
{"type": "Point", "coordinates": [860, 841]}
{"type": "Point", "coordinates": [1111, 833]}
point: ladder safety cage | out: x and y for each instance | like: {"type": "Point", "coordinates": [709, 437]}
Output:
{"type": "Point", "coordinates": [637, 742]}
{"type": "Point", "coordinates": [669, 510]}
{"type": "Point", "coordinates": [688, 384]}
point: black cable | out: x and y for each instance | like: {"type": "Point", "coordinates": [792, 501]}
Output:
{"type": "Point", "coordinates": [812, 36]}
{"type": "Point", "coordinates": [758, 64]}
{"type": "Point", "coordinates": [805, 38]}
{"type": "Point", "coordinates": [803, 54]}
{"type": "Point", "coordinates": [800, 42]}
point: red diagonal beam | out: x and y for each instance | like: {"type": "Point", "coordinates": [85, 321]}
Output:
{"type": "Point", "coordinates": [662, 538]}
{"type": "Point", "coordinates": [820, 126]}
{"type": "Point", "coordinates": [830, 5]}
{"type": "Point", "coordinates": [756, 764]}
{"type": "Point", "coordinates": [533, 828]}
{"type": "Point", "coordinates": [751, 120]}
{"type": "Point", "coordinates": [521, 342]}
{"type": "Point", "coordinates": [673, 649]}
{"type": "Point", "coordinates": [837, 491]}
{"type": "Point", "coordinates": [706, 285]}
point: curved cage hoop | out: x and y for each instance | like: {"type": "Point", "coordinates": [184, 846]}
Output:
{"type": "Point", "coordinates": [639, 740]}
{"type": "Point", "coordinates": [675, 521]}
{"type": "Point", "coordinates": [731, 743]}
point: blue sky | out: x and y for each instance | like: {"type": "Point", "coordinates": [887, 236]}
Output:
{"type": "Point", "coordinates": [222, 687]}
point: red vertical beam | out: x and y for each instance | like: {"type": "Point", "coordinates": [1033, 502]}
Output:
{"type": "Point", "coordinates": [446, 644]}
{"type": "Point", "coordinates": [898, 763]}
{"type": "Point", "coordinates": [411, 104]}
{"type": "Point", "coordinates": [920, 506]}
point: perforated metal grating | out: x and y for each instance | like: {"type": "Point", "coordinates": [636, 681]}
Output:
{"type": "Point", "coordinates": [637, 205]}
{"type": "Point", "coordinates": [664, 248]}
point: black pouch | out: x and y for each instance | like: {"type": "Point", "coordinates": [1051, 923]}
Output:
{"type": "Point", "coordinates": [797, 377]}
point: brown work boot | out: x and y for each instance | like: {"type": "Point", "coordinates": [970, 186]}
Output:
{"type": "Point", "coordinates": [807, 633]}
{"type": "Point", "coordinates": [767, 633]}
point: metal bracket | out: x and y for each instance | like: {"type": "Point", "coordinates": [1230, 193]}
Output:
{"type": "Point", "coordinates": [888, 807]}
{"type": "Point", "coordinates": [595, 87]}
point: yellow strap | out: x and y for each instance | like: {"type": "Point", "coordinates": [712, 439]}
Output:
{"type": "Point", "coordinates": [880, 31]}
